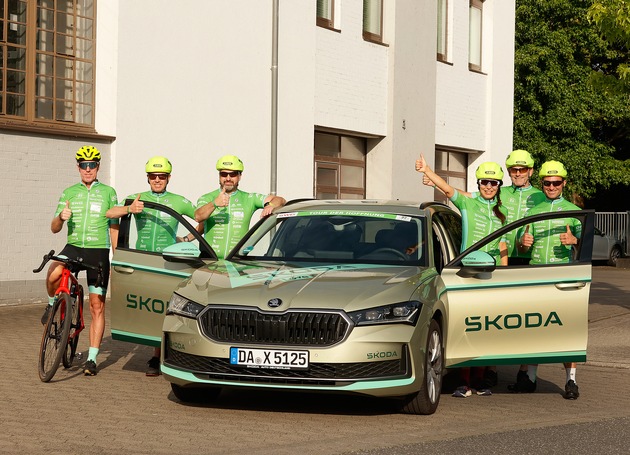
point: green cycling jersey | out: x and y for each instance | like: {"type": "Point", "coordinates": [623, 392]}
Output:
{"type": "Point", "coordinates": [518, 201]}
{"type": "Point", "coordinates": [226, 226]}
{"type": "Point", "coordinates": [547, 248]}
{"type": "Point", "coordinates": [478, 221]}
{"type": "Point", "coordinates": [156, 229]}
{"type": "Point", "coordinates": [88, 227]}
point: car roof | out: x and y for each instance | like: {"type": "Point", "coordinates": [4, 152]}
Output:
{"type": "Point", "coordinates": [363, 205]}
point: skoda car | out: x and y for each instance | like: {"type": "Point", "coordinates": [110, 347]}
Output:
{"type": "Point", "coordinates": [363, 297]}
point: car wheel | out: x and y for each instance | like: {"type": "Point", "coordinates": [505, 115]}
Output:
{"type": "Point", "coordinates": [426, 400]}
{"type": "Point", "coordinates": [195, 394]}
{"type": "Point", "coordinates": [615, 253]}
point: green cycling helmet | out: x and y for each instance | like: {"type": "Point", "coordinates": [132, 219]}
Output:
{"type": "Point", "coordinates": [88, 153]}
{"type": "Point", "coordinates": [519, 158]}
{"type": "Point", "coordinates": [158, 164]}
{"type": "Point", "coordinates": [489, 170]}
{"type": "Point", "coordinates": [553, 169]}
{"type": "Point", "coordinates": [230, 163]}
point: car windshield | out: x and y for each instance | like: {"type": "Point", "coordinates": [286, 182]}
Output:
{"type": "Point", "coordinates": [337, 237]}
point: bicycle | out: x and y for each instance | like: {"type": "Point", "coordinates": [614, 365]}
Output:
{"type": "Point", "coordinates": [65, 319]}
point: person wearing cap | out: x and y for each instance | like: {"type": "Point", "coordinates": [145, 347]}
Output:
{"type": "Point", "coordinates": [83, 208]}
{"type": "Point", "coordinates": [227, 211]}
{"type": "Point", "coordinates": [550, 242]}
{"type": "Point", "coordinates": [155, 232]}
{"type": "Point", "coordinates": [481, 215]}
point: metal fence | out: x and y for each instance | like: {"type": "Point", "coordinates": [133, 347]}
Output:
{"type": "Point", "coordinates": [616, 225]}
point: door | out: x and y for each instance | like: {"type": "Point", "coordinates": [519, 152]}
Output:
{"type": "Point", "coordinates": [518, 314]}
{"type": "Point", "coordinates": [144, 274]}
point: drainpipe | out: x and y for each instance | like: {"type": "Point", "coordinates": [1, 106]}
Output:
{"type": "Point", "coordinates": [274, 100]}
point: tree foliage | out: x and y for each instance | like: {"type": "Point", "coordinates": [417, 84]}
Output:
{"type": "Point", "coordinates": [560, 113]}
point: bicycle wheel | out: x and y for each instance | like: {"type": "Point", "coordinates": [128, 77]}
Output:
{"type": "Point", "coordinates": [55, 337]}
{"type": "Point", "coordinates": [75, 329]}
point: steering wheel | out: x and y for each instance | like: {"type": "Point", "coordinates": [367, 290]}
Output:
{"type": "Point", "coordinates": [398, 254]}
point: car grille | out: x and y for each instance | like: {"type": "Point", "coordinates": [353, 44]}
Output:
{"type": "Point", "coordinates": [329, 374]}
{"type": "Point", "coordinates": [230, 325]}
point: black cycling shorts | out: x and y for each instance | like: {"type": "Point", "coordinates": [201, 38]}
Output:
{"type": "Point", "coordinates": [90, 256]}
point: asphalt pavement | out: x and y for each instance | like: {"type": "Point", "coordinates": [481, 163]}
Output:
{"type": "Point", "coordinates": [121, 411]}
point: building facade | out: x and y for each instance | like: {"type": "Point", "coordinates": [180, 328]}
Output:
{"type": "Point", "coordinates": [361, 92]}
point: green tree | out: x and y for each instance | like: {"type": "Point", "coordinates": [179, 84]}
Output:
{"type": "Point", "coordinates": [559, 113]}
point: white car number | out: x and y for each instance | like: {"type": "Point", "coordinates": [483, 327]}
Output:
{"type": "Point", "coordinates": [269, 358]}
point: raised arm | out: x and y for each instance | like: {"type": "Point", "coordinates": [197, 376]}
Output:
{"type": "Point", "coordinates": [440, 183]}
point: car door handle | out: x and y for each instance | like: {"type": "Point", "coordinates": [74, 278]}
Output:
{"type": "Point", "coordinates": [565, 286]}
{"type": "Point", "coordinates": [121, 269]}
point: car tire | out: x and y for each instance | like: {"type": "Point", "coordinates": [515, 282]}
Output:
{"type": "Point", "coordinates": [615, 253]}
{"type": "Point", "coordinates": [195, 394]}
{"type": "Point", "coordinates": [426, 400]}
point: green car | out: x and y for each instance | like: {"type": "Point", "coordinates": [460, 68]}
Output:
{"type": "Point", "coordinates": [364, 297]}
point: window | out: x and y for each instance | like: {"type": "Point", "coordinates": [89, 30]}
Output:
{"type": "Point", "coordinates": [373, 20]}
{"type": "Point", "coordinates": [451, 166]}
{"type": "Point", "coordinates": [325, 13]}
{"type": "Point", "coordinates": [442, 30]}
{"type": "Point", "coordinates": [50, 81]}
{"type": "Point", "coordinates": [339, 166]}
{"type": "Point", "coordinates": [475, 34]}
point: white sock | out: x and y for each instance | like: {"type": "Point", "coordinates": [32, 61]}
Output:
{"type": "Point", "coordinates": [531, 372]}
{"type": "Point", "coordinates": [51, 300]}
{"type": "Point", "coordinates": [571, 374]}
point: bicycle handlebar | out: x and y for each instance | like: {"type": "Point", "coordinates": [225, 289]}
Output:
{"type": "Point", "coordinates": [75, 265]}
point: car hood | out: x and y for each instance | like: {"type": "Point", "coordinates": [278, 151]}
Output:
{"type": "Point", "coordinates": [303, 285]}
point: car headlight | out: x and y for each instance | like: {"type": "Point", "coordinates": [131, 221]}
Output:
{"type": "Point", "coordinates": [183, 307]}
{"type": "Point", "coordinates": [404, 312]}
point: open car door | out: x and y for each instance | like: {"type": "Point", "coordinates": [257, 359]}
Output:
{"type": "Point", "coordinates": [518, 314]}
{"type": "Point", "coordinates": [144, 275]}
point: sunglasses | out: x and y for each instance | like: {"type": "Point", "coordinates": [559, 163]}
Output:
{"type": "Point", "coordinates": [518, 170]}
{"type": "Point", "coordinates": [229, 174]}
{"type": "Point", "coordinates": [157, 176]}
{"type": "Point", "coordinates": [552, 182]}
{"type": "Point", "coordinates": [88, 165]}
{"type": "Point", "coordinates": [492, 183]}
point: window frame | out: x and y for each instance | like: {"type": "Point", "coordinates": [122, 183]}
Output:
{"type": "Point", "coordinates": [337, 163]}
{"type": "Point", "coordinates": [325, 21]}
{"type": "Point", "coordinates": [367, 34]}
{"type": "Point", "coordinates": [442, 30]}
{"type": "Point", "coordinates": [54, 85]}
{"type": "Point", "coordinates": [478, 41]}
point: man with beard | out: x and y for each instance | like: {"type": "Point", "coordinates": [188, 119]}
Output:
{"type": "Point", "coordinates": [227, 211]}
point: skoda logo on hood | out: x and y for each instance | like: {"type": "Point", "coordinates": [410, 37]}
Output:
{"type": "Point", "coordinates": [274, 303]}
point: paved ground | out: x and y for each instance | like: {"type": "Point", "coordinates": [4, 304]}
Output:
{"type": "Point", "coordinates": [121, 411]}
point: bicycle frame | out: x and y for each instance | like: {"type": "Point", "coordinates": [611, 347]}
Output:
{"type": "Point", "coordinates": [69, 284]}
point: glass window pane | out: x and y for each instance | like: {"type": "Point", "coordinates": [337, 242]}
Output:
{"type": "Point", "coordinates": [323, 195]}
{"type": "Point", "coordinates": [44, 86]}
{"type": "Point", "coordinates": [458, 162]}
{"type": "Point", "coordinates": [351, 196]}
{"type": "Point", "coordinates": [64, 89]}
{"type": "Point", "coordinates": [64, 44]}
{"type": "Point", "coordinates": [324, 8]}
{"type": "Point", "coordinates": [372, 10]}
{"type": "Point", "coordinates": [1, 29]}
{"type": "Point", "coordinates": [63, 111]}
{"type": "Point", "coordinates": [326, 177]}
{"type": "Point", "coordinates": [17, 10]}
{"type": "Point", "coordinates": [474, 40]}
{"type": "Point", "coordinates": [64, 67]}
{"type": "Point", "coordinates": [353, 148]}
{"type": "Point", "coordinates": [85, 8]}
{"type": "Point", "coordinates": [44, 108]}
{"type": "Point", "coordinates": [352, 176]}
{"type": "Point", "coordinates": [457, 182]}
{"type": "Point", "coordinates": [1, 57]}
{"type": "Point", "coordinates": [327, 145]}
{"type": "Point", "coordinates": [46, 19]}
{"type": "Point", "coordinates": [16, 81]}
{"type": "Point", "coordinates": [85, 49]}
{"type": "Point", "coordinates": [44, 64]}
{"type": "Point", "coordinates": [16, 34]}
{"type": "Point", "coordinates": [45, 41]}
{"type": "Point", "coordinates": [84, 114]}
{"type": "Point", "coordinates": [84, 92]}
{"type": "Point", "coordinates": [65, 23]}
{"type": "Point", "coordinates": [441, 160]}
{"type": "Point", "coordinates": [16, 105]}
{"type": "Point", "coordinates": [46, 3]}
{"type": "Point", "coordinates": [84, 71]}
{"type": "Point", "coordinates": [65, 6]}
{"type": "Point", "coordinates": [85, 27]}
{"type": "Point", "coordinates": [441, 27]}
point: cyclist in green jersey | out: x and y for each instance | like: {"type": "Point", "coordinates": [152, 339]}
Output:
{"type": "Point", "coordinates": [227, 211]}
{"type": "Point", "coordinates": [550, 242]}
{"type": "Point", "coordinates": [155, 232]}
{"type": "Point", "coordinates": [481, 215]}
{"type": "Point", "coordinates": [83, 208]}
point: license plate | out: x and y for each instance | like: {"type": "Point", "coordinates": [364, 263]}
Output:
{"type": "Point", "coordinates": [269, 358]}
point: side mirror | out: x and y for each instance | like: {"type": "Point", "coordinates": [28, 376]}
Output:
{"type": "Point", "coordinates": [476, 263]}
